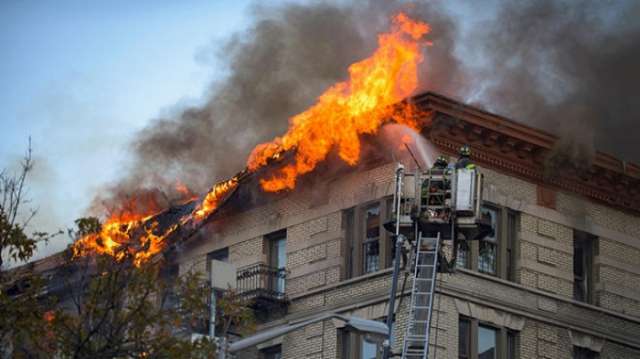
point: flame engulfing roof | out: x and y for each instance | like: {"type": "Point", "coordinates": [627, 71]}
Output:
{"type": "Point", "coordinates": [370, 97]}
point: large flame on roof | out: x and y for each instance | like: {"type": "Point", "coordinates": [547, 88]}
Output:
{"type": "Point", "coordinates": [128, 230]}
{"type": "Point", "coordinates": [373, 95]}
{"type": "Point", "coordinates": [348, 109]}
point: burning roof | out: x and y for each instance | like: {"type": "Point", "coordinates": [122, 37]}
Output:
{"type": "Point", "coordinates": [373, 95]}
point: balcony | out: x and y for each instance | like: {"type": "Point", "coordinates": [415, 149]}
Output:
{"type": "Point", "coordinates": [263, 288]}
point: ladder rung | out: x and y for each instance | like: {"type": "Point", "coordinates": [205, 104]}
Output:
{"type": "Point", "coordinates": [423, 279]}
{"type": "Point", "coordinates": [414, 351]}
{"type": "Point", "coordinates": [425, 265]}
{"type": "Point", "coordinates": [421, 307]}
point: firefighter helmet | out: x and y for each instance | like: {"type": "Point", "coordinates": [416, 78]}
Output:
{"type": "Point", "coordinates": [441, 162]}
{"type": "Point", "coordinates": [465, 151]}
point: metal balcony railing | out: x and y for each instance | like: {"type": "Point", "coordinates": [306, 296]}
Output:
{"type": "Point", "coordinates": [262, 282]}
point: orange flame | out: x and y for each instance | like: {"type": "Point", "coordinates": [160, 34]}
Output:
{"type": "Point", "coordinates": [351, 108]}
{"type": "Point", "coordinates": [361, 105]}
{"type": "Point", "coordinates": [185, 192]}
{"type": "Point", "coordinates": [212, 199]}
{"type": "Point", "coordinates": [116, 236]}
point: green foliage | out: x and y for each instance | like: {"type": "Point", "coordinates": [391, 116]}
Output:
{"type": "Point", "coordinates": [234, 313]}
{"type": "Point", "coordinates": [119, 310]}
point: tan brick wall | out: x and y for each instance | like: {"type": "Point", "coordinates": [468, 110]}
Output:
{"type": "Point", "coordinates": [617, 351]}
{"type": "Point", "coordinates": [314, 236]}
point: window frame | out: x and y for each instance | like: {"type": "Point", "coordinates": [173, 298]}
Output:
{"type": "Point", "coordinates": [503, 336]}
{"type": "Point", "coordinates": [350, 344]}
{"type": "Point", "coordinates": [507, 234]}
{"type": "Point", "coordinates": [588, 243]}
{"type": "Point", "coordinates": [271, 248]}
{"type": "Point", "coordinates": [354, 227]}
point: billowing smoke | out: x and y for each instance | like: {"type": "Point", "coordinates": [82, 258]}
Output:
{"type": "Point", "coordinates": [568, 67]}
{"type": "Point", "coordinates": [276, 68]}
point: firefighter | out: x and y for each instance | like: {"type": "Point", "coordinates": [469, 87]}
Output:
{"type": "Point", "coordinates": [465, 161]}
{"type": "Point", "coordinates": [440, 163]}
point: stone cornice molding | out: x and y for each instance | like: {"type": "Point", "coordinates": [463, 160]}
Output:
{"type": "Point", "coordinates": [520, 150]}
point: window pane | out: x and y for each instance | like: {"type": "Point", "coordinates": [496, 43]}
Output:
{"type": "Point", "coordinates": [488, 251]}
{"type": "Point", "coordinates": [512, 227]}
{"type": "Point", "coordinates": [371, 256]}
{"type": "Point", "coordinates": [372, 220]}
{"type": "Point", "coordinates": [464, 338]}
{"type": "Point", "coordinates": [272, 353]}
{"type": "Point", "coordinates": [371, 243]}
{"type": "Point", "coordinates": [493, 214]}
{"type": "Point", "coordinates": [368, 350]}
{"type": "Point", "coordinates": [511, 344]}
{"type": "Point", "coordinates": [487, 255]}
{"type": "Point", "coordinates": [486, 343]}
{"type": "Point", "coordinates": [584, 353]}
{"type": "Point", "coordinates": [462, 258]}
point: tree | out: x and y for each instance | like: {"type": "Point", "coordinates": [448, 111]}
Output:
{"type": "Point", "coordinates": [21, 312]}
{"type": "Point", "coordinates": [120, 308]}
{"type": "Point", "coordinates": [96, 306]}
{"type": "Point", "coordinates": [114, 309]}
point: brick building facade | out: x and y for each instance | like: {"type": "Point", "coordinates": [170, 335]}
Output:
{"type": "Point", "coordinates": [559, 279]}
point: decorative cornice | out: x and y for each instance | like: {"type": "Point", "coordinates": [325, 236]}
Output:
{"type": "Point", "coordinates": [520, 150]}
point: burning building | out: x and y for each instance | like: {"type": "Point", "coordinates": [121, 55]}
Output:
{"type": "Point", "coordinates": [301, 231]}
{"type": "Point", "coordinates": [557, 278]}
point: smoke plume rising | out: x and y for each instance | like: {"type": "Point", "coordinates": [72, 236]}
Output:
{"type": "Point", "coordinates": [564, 66]}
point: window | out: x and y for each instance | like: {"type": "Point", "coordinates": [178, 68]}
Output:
{"type": "Point", "coordinates": [495, 254]}
{"type": "Point", "coordinates": [276, 244]}
{"type": "Point", "coordinates": [487, 342]}
{"type": "Point", "coordinates": [354, 345]}
{"type": "Point", "coordinates": [584, 247]}
{"type": "Point", "coordinates": [512, 344]}
{"type": "Point", "coordinates": [464, 341]}
{"type": "Point", "coordinates": [371, 242]}
{"type": "Point", "coordinates": [274, 352]}
{"type": "Point", "coordinates": [367, 245]}
{"type": "Point", "coordinates": [584, 353]}
{"type": "Point", "coordinates": [488, 247]}
{"type": "Point", "coordinates": [477, 340]}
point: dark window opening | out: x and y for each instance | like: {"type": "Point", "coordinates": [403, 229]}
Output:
{"type": "Point", "coordinates": [464, 339]}
{"type": "Point", "coordinates": [274, 352]}
{"type": "Point", "coordinates": [584, 353]}
{"type": "Point", "coordinates": [583, 252]}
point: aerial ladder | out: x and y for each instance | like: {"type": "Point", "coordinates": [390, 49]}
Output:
{"type": "Point", "coordinates": [436, 212]}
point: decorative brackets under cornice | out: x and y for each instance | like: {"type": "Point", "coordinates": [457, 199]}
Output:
{"type": "Point", "coordinates": [519, 150]}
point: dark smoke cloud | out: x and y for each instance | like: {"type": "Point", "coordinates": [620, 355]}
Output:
{"type": "Point", "coordinates": [568, 67]}
{"type": "Point", "coordinates": [571, 67]}
{"type": "Point", "coordinates": [277, 67]}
